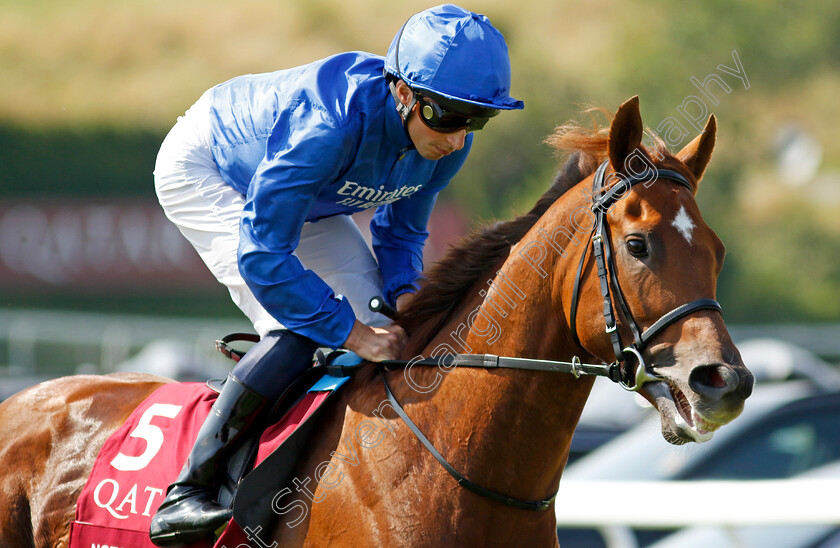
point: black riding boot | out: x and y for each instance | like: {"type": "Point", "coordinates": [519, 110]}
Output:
{"type": "Point", "coordinates": [189, 512]}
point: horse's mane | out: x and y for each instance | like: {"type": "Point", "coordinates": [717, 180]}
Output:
{"type": "Point", "coordinates": [446, 284]}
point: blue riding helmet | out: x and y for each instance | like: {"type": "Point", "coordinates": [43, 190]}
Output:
{"type": "Point", "coordinates": [455, 57]}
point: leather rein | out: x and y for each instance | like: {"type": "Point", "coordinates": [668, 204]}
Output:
{"type": "Point", "coordinates": [620, 371]}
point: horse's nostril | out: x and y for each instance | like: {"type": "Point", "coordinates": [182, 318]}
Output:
{"type": "Point", "coordinates": [713, 378]}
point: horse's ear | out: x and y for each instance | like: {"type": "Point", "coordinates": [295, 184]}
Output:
{"type": "Point", "coordinates": [697, 153]}
{"type": "Point", "coordinates": [626, 132]}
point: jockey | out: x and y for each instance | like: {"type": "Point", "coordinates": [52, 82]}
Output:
{"type": "Point", "coordinates": [261, 175]}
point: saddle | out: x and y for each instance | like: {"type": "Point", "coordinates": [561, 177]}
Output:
{"type": "Point", "coordinates": [142, 457]}
{"type": "Point", "coordinates": [249, 490]}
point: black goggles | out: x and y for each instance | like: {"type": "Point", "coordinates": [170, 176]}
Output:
{"type": "Point", "coordinates": [443, 120]}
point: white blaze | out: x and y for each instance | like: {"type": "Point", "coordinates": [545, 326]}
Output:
{"type": "Point", "coordinates": [684, 224]}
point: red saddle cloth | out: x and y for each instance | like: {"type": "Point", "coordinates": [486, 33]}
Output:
{"type": "Point", "coordinates": [141, 458]}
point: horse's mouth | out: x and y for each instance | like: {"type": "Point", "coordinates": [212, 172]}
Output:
{"type": "Point", "coordinates": [681, 422]}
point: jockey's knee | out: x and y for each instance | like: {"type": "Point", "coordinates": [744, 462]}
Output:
{"type": "Point", "coordinates": [272, 364]}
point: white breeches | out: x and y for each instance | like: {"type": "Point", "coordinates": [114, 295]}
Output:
{"type": "Point", "coordinates": [206, 210]}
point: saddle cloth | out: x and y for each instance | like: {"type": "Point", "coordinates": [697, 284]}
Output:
{"type": "Point", "coordinates": [142, 457]}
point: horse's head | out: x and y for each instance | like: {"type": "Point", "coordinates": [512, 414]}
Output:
{"type": "Point", "coordinates": [661, 264]}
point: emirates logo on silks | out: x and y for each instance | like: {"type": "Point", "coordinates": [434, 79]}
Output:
{"type": "Point", "coordinates": [363, 197]}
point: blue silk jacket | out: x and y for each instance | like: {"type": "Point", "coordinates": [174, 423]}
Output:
{"type": "Point", "coordinates": [314, 141]}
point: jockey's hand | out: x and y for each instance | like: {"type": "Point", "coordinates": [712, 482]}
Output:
{"type": "Point", "coordinates": [376, 343]}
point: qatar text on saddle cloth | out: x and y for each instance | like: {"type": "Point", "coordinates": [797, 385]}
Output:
{"type": "Point", "coordinates": [141, 458]}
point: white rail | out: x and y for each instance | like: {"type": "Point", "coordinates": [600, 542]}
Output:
{"type": "Point", "coordinates": [103, 339]}
{"type": "Point", "coordinates": [667, 504]}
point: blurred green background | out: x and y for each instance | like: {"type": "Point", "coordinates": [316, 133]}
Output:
{"type": "Point", "coordinates": [90, 88]}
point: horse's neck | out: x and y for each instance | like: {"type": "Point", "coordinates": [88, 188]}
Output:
{"type": "Point", "coordinates": [517, 425]}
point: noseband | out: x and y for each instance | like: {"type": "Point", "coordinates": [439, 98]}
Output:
{"type": "Point", "coordinates": [603, 199]}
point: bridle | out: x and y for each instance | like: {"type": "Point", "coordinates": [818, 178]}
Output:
{"type": "Point", "coordinates": [621, 371]}
{"type": "Point", "coordinates": [603, 199]}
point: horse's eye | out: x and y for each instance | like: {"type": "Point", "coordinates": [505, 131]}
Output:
{"type": "Point", "coordinates": [637, 246]}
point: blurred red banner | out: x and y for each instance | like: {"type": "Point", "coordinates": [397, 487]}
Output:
{"type": "Point", "coordinates": [94, 244]}
{"type": "Point", "coordinates": [127, 243]}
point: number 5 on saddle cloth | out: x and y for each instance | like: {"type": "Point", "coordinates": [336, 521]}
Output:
{"type": "Point", "coordinates": [142, 457]}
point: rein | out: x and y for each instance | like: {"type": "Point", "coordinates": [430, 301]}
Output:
{"type": "Point", "coordinates": [489, 361]}
{"type": "Point", "coordinates": [619, 371]}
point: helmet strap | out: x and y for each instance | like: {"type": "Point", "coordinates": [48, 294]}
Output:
{"type": "Point", "coordinates": [403, 109]}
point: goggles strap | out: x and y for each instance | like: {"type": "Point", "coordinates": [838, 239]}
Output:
{"type": "Point", "coordinates": [402, 109]}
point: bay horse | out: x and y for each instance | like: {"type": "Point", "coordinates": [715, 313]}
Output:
{"type": "Point", "coordinates": [528, 287]}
